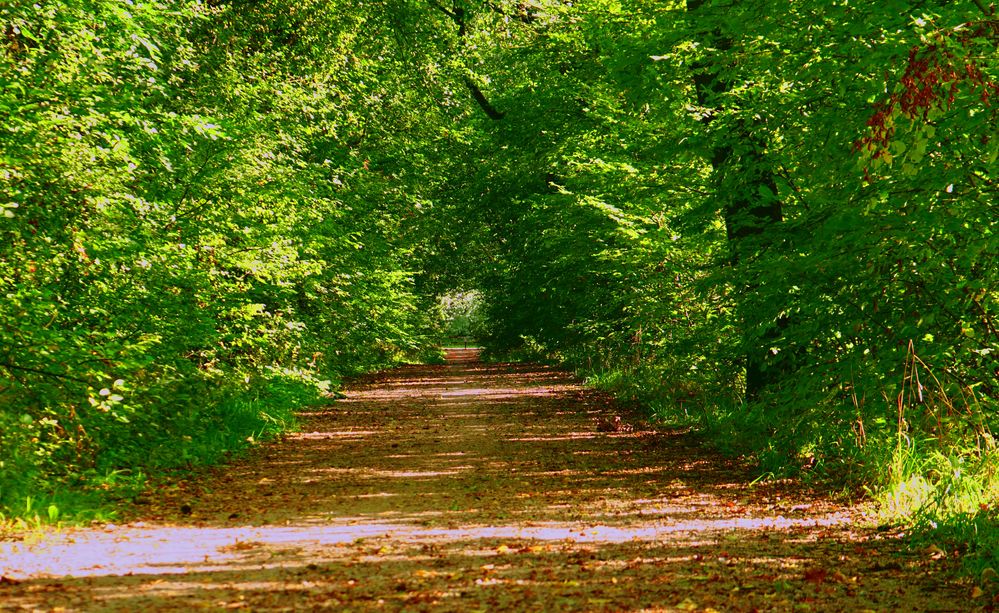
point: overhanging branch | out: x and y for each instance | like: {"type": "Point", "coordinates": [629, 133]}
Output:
{"type": "Point", "coordinates": [37, 371]}
{"type": "Point", "coordinates": [457, 15]}
{"type": "Point", "coordinates": [483, 102]}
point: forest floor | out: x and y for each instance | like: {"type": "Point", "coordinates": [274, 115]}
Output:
{"type": "Point", "coordinates": [480, 487]}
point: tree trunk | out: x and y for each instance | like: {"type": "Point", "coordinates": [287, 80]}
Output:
{"type": "Point", "coordinates": [744, 184]}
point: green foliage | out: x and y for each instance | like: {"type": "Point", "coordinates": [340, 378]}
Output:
{"type": "Point", "coordinates": [195, 236]}
{"type": "Point", "coordinates": [775, 220]}
{"type": "Point", "coordinates": [462, 315]}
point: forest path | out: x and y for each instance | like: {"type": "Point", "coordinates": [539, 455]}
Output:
{"type": "Point", "coordinates": [474, 486]}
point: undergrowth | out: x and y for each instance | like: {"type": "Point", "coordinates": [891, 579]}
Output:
{"type": "Point", "coordinates": [926, 457]}
{"type": "Point", "coordinates": [77, 486]}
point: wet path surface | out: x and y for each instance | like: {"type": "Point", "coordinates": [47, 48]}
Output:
{"type": "Point", "coordinates": [475, 486]}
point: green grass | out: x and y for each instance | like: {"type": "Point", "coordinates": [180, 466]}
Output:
{"type": "Point", "coordinates": [52, 493]}
{"type": "Point", "coordinates": [948, 499]}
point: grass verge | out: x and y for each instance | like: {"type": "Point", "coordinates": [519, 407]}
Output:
{"type": "Point", "coordinates": [52, 489]}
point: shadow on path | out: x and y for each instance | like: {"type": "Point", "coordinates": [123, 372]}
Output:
{"type": "Point", "coordinates": [474, 486]}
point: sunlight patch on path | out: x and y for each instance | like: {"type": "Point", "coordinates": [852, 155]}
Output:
{"type": "Point", "coordinates": [168, 550]}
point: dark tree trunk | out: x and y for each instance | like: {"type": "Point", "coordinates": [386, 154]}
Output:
{"type": "Point", "coordinates": [745, 185]}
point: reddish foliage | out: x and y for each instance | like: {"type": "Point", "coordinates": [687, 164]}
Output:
{"type": "Point", "coordinates": [933, 77]}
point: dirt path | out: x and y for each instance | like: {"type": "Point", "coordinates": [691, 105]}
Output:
{"type": "Point", "coordinates": [472, 487]}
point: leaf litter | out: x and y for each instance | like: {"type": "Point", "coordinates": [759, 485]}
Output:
{"type": "Point", "coordinates": [482, 487]}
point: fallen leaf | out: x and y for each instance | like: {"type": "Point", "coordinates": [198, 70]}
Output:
{"type": "Point", "coordinates": [935, 552]}
{"type": "Point", "coordinates": [240, 546]}
{"type": "Point", "coordinates": [816, 575]}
